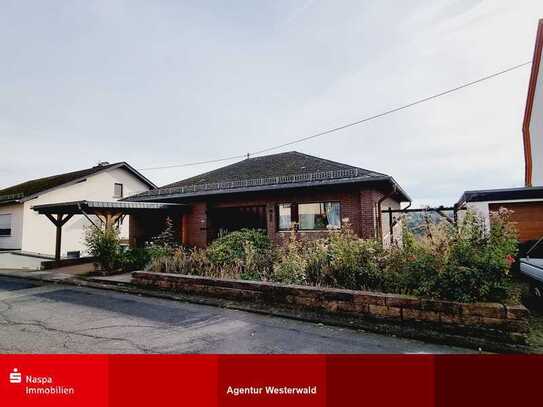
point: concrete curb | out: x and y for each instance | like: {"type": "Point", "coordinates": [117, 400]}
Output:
{"type": "Point", "coordinates": [417, 333]}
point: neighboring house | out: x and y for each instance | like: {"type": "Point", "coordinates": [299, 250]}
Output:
{"type": "Point", "coordinates": [526, 204]}
{"type": "Point", "coordinates": [23, 229]}
{"type": "Point", "coordinates": [274, 193]}
{"type": "Point", "coordinates": [532, 127]}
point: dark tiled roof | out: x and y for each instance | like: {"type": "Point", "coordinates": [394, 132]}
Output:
{"type": "Point", "coordinates": [285, 170]}
{"type": "Point", "coordinates": [36, 186]}
{"type": "Point", "coordinates": [275, 165]}
{"type": "Point", "coordinates": [504, 194]}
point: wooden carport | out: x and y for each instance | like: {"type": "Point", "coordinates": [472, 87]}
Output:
{"type": "Point", "coordinates": [108, 213]}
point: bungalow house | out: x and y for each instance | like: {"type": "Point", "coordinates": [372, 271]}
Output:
{"type": "Point", "coordinates": [274, 193]}
{"type": "Point", "coordinates": [21, 228]}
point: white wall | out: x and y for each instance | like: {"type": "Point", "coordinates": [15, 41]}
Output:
{"type": "Point", "coordinates": [480, 208]}
{"type": "Point", "coordinates": [39, 232]}
{"type": "Point", "coordinates": [536, 131]}
{"type": "Point", "coordinates": [13, 241]}
{"type": "Point", "coordinates": [385, 227]}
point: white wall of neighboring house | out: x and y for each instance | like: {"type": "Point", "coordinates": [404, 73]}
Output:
{"type": "Point", "coordinates": [480, 208]}
{"type": "Point", "coordinates": [38, 232]}
{"type": "Point", "coordinates": [13, 241]}
{"type": "Point", "coordinates": [385, 226]}
{"type": "Point", "coordinates": [536, 131]}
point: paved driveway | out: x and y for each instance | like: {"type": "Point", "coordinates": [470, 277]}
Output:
{"type": "Point", "coordinates": [59, 318]}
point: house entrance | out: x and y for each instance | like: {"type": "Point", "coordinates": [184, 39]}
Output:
{"type": "Point", "coordinates": [224, 220]}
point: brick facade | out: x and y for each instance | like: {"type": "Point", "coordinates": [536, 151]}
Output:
{"type": "Point", "coordinates": [246, 194]}
{"type": "Point", "coordinates": [358, 205]}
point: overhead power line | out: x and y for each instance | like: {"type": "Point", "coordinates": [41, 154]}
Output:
{"type": "Point", "coordinates": [218, 160]}
{"type": "Point", "coordinates": [347, 125]}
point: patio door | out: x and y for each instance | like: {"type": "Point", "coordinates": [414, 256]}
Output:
{"type": "Point", "coordinates": [226, 220]}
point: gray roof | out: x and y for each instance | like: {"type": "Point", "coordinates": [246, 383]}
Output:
{"type": "Point", "coordinates": [504, 194]}
{"type": "Point", "coordinates": [277, 171]}
{"type": "Point", "coordinates": [77, 207]}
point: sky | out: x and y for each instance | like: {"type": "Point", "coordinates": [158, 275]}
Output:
{"type": "Point", "coordinates": [158, 83]}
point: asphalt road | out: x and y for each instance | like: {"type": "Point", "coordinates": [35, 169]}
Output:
{"type": "Point", "coordinates": [66, 319]}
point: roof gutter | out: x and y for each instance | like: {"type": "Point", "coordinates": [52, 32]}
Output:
{"type": "Point", "coordinates": [204, 193]}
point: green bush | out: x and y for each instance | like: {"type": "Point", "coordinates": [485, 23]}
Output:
{"type": "Point", "coordinates": [135, 258]}
{"type": "Point", "coordinates": [292, 263]}
{"type": "Point", "coordinates": [104, 244]}
{"type": "Point", "coordinates": [192, 262]}
{"type": "Point", "coordinates": [246, 252]}
{"type": "Point", "coordinates": [154, 251]}
{"type": "Point", "coordinates": [229, 248]}
{"type": "Point", "coordinates": [467, 262]}
{"type": "Point", "coordinates": [167, 238]}
{"type": "Point", "coordinates": [352, 262]}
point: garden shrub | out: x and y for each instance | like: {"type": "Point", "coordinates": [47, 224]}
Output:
{"type": "Point", "coordinates": [135, 258]}
{"type": "Point", "coordinates": [467, 262]}
{"type": "Point", "coordinates": [291, 266]}
{"type": "Point", "coordinates": [352, 262]}
{"type": "Point", "coordinates": [104, 244]}
{"type": "Point", "coordinates": [246, 252]}
{"type": "Point", "coordinates": [339, 260]}
{"type": "Point", "coordinates": [167, 238]}
{"type": "Point", "coordinates": [155, 250]}
{"type": "Point", "coordinates": [231, 247]}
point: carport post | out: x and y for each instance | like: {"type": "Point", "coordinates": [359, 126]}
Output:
{"type": "Point", "coordinates": [59, 221]}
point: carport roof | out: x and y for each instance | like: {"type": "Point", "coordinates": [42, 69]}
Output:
{"type": "Point", "coordinates": [505, 194]}
{"type": "Point", "coordinates": [77, 207]}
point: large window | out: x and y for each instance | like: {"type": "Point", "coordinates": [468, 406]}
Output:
{"type": "Point", "coordinates": [310, 216]}
{"type": "Point", "coordinates": [5, 224]}
{"type": "Point", "coordinates": [285, 216]}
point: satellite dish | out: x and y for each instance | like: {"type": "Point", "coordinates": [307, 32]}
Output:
{"type": "Point", "coordinates": [532, 128]}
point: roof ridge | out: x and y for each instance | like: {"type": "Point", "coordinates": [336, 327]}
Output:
{"type": "Point", "coordinates": [39, 185]}
{"type": "Point", "coordinates": [268, 166]}
{"type": "Point", "coordinates": [62, 174]}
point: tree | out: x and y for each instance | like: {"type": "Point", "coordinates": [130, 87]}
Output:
{"type": "Point", "coordinates": [167, 238]}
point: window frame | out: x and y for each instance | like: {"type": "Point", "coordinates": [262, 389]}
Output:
{"type": "Point", "coordinates": [10, 215]}
{"type": "Point", "coordinates": [122, 190]}
{"type": "Point", "coordinates": [295, 215]}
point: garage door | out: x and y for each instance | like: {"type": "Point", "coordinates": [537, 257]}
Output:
{"type": "Point", "coordinates": [527, 216]}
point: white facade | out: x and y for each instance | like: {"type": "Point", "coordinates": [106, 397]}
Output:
{"type": "Point", "coordinates": [385, 225]}
{"type": "Point", "coordinates": [15, 214]}
{"type": "Point", "coordinates": [536, 131]}
{"type": "Point", "coordinates": [532, 126]}
{"type": "Point", "coordinates": [32, 232]}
